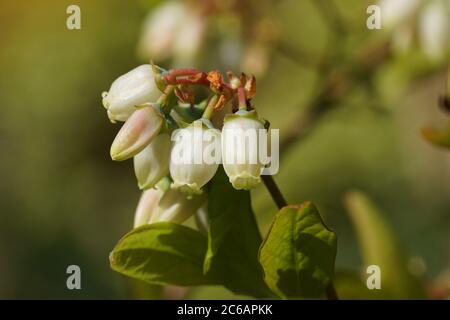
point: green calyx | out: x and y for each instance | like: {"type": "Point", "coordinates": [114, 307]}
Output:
{"type": "Point", "coordinates": [252, 115]}
{"type": "Point", "coordinates": [190, 112]}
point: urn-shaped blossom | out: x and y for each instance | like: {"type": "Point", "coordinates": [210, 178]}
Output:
{"type": "Point", "coordinates": [152, 163]}
{"type": "Point", "coordinates": [130, 90]}
{"type": "Point", "coordinates": [241, 134]}
{"type": "Point", "coordinates": [176, 206]}
{"type": "Point", "coordinates": [147, 205]}
{"type": "Point", "coordinates": [195, 157]}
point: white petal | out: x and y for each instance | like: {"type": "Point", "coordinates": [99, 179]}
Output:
{"type": "Point", "coordinates": [240, 147]}
{"type": "Point", "coordinates": [130, 90]}
{"type": "Point", "coordinates": [146, 207]}
{"type": "Point", "coordinates": [191, 173]}
{"type": "Point", "coordinates": [176, 206]}
{"type": "Point", "coordinates": [152, 163]}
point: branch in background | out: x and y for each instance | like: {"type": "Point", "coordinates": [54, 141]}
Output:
{"type": "Point", "coordinates": [299, 56]}
{"type": "Point", "coordinates": [331, 16]}
{"type": "Point", "coordinates": [336, 84]}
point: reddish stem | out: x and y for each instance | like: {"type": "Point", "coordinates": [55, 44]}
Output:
{"type": "Point", "coordinates": [189, 81]}
{"type": "Point", "coordinates": [242, 98]}
{"type": "Point", "coordinates": [184, 72]}
{"type": "Point", "coordinates": [171, 76]}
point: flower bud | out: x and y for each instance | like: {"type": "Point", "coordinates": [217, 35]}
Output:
{"type": "Point", "coordinates": [195, 157]}
{"type": "Point", "coordinates": [240, 149]}
{"type": "Point", "coordinates": [136, 133]}
{"type": "Point", "coordinates": [152, 163]}
{"type": "Point", "coordinates": [176, 206]}
{"type": "Point", "coordinates": [130, 90]}
{"type": "Point", "coordinates": [147, 205]}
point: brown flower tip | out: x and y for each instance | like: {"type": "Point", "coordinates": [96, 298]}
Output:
{"type": "Point", "coordinates": [216, 79]}
{"type": "Point", "coordinates": [220, 103]}
{"type": "Point", "coordinates": [250, 87]}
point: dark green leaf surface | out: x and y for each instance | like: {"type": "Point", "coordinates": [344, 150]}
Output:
{"type": "Point", "coordinates": [298, 253]}
{"type": "Point", "coordinates": [233, 240]}
{"type": "Point", "coordinates": [162, 253]}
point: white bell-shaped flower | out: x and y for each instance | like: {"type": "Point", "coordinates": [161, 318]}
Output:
{"type": "Point", "coordinates": [147, 205]}
{"type": "Point", "coordinates": [130, 90]}
{"type": "Point", "coordinates": [136, 133]}
{"type": "Point", "coordinates": [152, 163]}
{"type": "Point", "coordinates": [195, 157]}
{"type": "Point", "coordinates": [241, 134]}
{"type": "Point", "coordinates": [176, 206]}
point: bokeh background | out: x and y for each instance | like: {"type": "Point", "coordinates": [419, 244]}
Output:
{"type": "Point", "coordinates": [63, 201]}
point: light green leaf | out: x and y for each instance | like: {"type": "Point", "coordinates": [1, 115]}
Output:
{"type": "Point", "coordinates": [298, 253]}
{"type": "Point", "coordinates": [379, 246]}
{"type": "Point", "coordinates": [162, 253]}
{"type": "Point", "coordinates": [233, 240]}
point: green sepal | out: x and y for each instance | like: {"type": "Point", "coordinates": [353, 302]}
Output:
{"type": "Point", "coordinates": [252, 115]}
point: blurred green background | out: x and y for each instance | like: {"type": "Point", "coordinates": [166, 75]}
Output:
{"type": "Point", "coordinates": [63, 201]}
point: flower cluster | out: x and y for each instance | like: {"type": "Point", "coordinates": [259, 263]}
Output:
{"type": "Point", "coordinates": [157, 107]}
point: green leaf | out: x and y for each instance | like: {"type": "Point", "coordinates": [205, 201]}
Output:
{"type": "Point", "coordinates": [233, 240]}
{"type": "Point", "coordinates": [162, 253]}
{"type": "Point", "coordinates": [298, 253]}
{"type": "Point", "coordinates": [438, 137]}
{"type": "Point", "coordinates": [379, 246]}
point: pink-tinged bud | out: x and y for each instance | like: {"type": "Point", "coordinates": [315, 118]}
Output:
{"type": "Point", "coordinates": [147, 205]}
{"type": "Point", "coordinates": [176, 206]}
{"type": "Point", "coordinates": [130, 90]}
{"type": "Point", "coordinates": [152, 163]}
{"type": "Point", "coordinates": [136, 133]}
